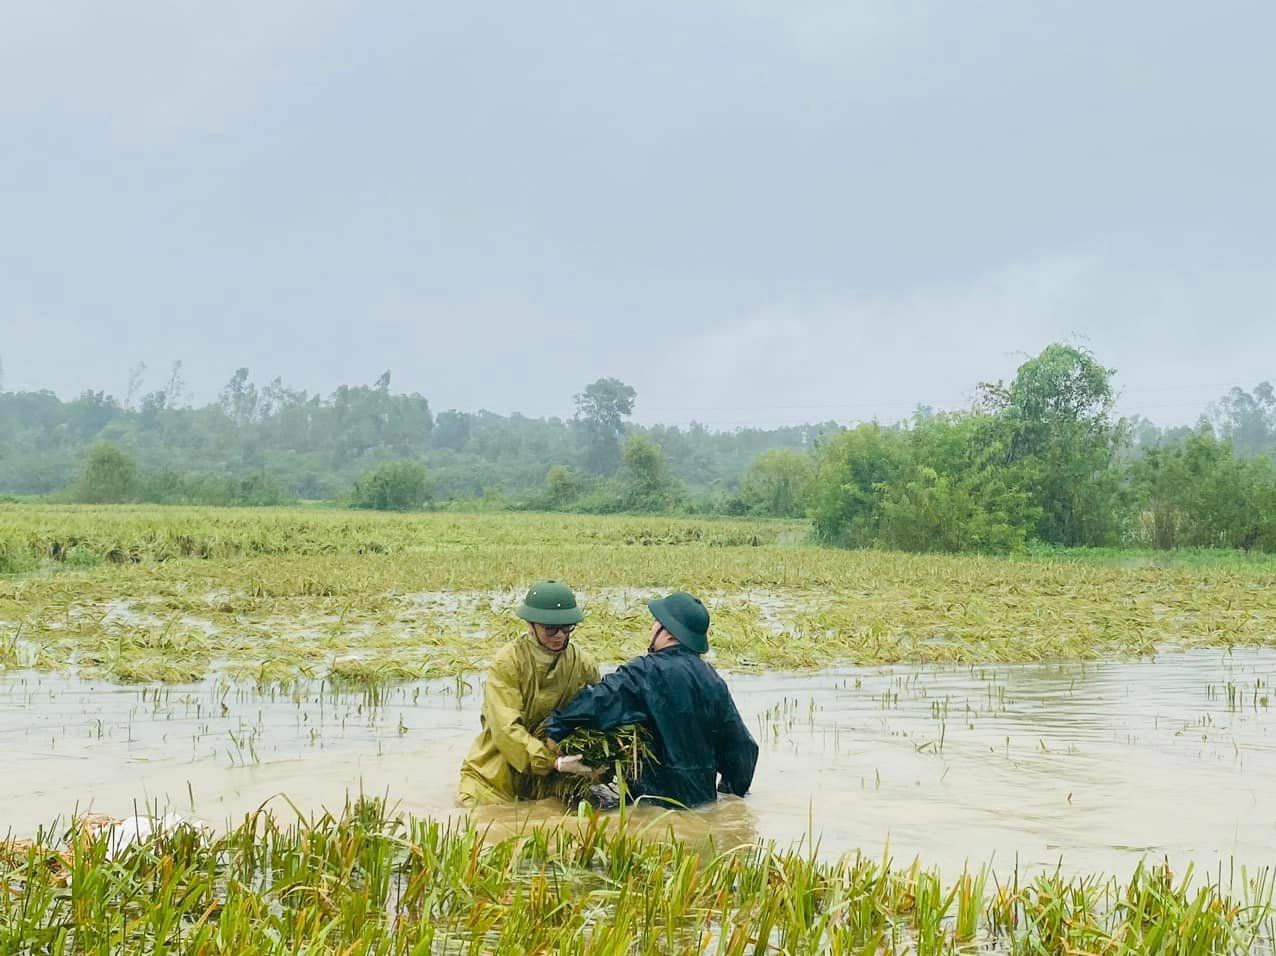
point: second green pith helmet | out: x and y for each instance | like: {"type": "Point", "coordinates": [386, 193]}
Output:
{"type": "Point", "coordinates": [550, 603]}
{"type": "Point", "coordinates": [685, 617]}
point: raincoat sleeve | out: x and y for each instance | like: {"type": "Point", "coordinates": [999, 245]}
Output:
{"type": "Point", "coordinates": [619, 698]}
{"type": "Point", "coordinates": [737, 752]}
{"type": "Point", "coordinates": [503, 712]}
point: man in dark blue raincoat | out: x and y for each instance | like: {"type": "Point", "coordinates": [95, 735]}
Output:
{"type": "Point", "coordinates": [700, 745]}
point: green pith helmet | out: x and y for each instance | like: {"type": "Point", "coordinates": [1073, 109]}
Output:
{"type": "Point", "coordinates": [550, 603]}
{"type": "Point", "coordinates": [685, 617]}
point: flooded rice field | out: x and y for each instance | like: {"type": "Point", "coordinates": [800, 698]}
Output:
{"type": "Point", "coordinates": [1090, 766]}
{"type": "Point", "coordinates": [206, 663]}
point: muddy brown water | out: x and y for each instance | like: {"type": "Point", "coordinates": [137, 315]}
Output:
{"type": "Point", "coordinates": [1089, 766]}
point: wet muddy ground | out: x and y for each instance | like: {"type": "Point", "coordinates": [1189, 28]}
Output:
{"type": "Point", "coordinates": [1088, 765]}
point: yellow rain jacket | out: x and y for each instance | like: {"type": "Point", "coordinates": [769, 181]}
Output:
{"type": "Point", "coordinates": [524, 686]}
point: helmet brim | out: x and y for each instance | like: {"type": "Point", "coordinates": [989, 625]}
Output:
{"type": "Point", "coordinates": [686, 637]}
{"type": "Point", "coordinates": [553, 617]}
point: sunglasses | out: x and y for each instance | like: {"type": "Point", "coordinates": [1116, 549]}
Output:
{"type": "Point", "coordinates": [551, 631]}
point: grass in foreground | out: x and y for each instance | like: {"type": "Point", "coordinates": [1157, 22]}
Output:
{"type": "Point", "coordinates": [370, 883]}
{"type": "Point", "coordinates": [171, 594]}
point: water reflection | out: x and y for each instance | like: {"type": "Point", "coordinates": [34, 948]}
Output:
{"type": "Point", "coordinates": [729, 824]}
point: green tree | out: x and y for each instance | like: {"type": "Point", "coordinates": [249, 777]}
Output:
{"type": "Point", "coordinates": [1249, 419]}
{"type": "Point", "coordinates": [847, 491]}
{"type": "Point", "coordinates": [1055, 424]}
{"type": "Point", "coordinates": [956, 494]}
{"type": "Point", "coordinates": [452, 429]}
{"type": "Point", "coordinates": [239, 398]}
{"type": "Point", "coordinates": [645, 481]}
{"type": "Point", "coordinates": [89, 414]}
{"type": "Point", "coordinates": [318, 445]}
{"type": "Point", "coordinates": [956, 513]}
{"type": "Point", "coordinates": [393, 486]}
{"type": "Point", "coordinates": [563, 487]}
{"type": "Point", "coordinates": [939, 485]}
{"type": "Point", "coordinates": [1062, 389]}
{"type": "Point", "coordinates": [601, 410]}
{"type": "Point", "coordinates": [109, 477]}
{"type": "Point", "coordinates": [778, 483]}
{"type": "Point", "coordinates": [1200, 494]}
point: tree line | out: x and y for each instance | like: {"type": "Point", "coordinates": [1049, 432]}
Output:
{"type": "Point", "coordinates": [1044, 460]}
{"type": "Point", "coordinates": [1041, 459]}
{"type": "Point", "coordinates": [270, 444]}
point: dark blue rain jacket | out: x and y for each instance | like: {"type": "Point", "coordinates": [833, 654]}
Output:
{"type": "Point", "coordinates": [697, 734]}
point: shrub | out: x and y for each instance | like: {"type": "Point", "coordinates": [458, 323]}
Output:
{"type": "Point", "coordinates": [934, 512]}
{"type": "Point", "coordinates": [846, 493]}
{"type": "Point", "coordinates": [778, 484]}
{"type": "Point", "coordinates": [1201, 495]}
{"type": "Point", "coordinates": [646, 484]}
{"type": "Point", "coordinates": [939, 486]}
{"type": "Point", "coordinates": [109, 477]}
{"type": "Point", "coordinates": [563, 487]}
{"type": "Point", "coordinates": [257, 489]}
{"type": "Point", "coordinates": [393, 486]}
{"type": "Point", "coordinates": [260, 489]}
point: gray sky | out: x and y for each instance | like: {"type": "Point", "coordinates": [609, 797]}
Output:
{"type": "Point", "coordinates": [755, 213]}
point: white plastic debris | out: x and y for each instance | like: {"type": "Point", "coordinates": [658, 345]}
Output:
{"type": "Point", "coordinates": [137, 830]}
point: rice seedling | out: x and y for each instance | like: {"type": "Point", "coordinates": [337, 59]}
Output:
{"type": "Point", "coordinates": [619, 754]}
{"type": "Point", "coordinates": [9, 651]}
{"type": "Point", "coordinates": [368, 881]}
{"type": "Point", "coordinates": [334, 612]}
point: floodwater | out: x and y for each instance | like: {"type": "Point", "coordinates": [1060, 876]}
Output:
{"type": "Point", "coordinates": [1088, 766]}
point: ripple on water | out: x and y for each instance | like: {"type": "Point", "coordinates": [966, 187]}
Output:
{"type": "Point", "coordinates": [1093, 763]}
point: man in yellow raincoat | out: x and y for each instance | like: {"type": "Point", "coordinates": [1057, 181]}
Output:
{"type": "Point", "coordinates": [534, 674]}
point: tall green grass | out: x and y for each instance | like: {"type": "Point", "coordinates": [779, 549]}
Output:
{"type": "Point", "coordinates": [369, 882]}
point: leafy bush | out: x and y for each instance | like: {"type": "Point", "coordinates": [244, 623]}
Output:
{"type": "Point", "coordinates": [941, 485]}
{"type": "Point", "coordinates": [777, 485]}
{"type": "Point", "coordinates": [646, 484]}
{"type": "Point", "coordinates": [563, 488]}
{"type": "Point", "coordinates": [257, 489]}
{"type": "Point", "coordinates": [1036, 461]}
{"type": "Point", "coordinates": [846, 493]}
{"type": "Point", "coordinates": [109, 477]}
{"type": "Point", "coordinates": [934, 512]}
{"type": "Point", "coordinates": [1201, 495]}
{"type": "Point", "coordinates": [393, 486]}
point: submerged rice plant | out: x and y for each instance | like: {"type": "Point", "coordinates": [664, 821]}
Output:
{"type": "Point", "coordinates": [618, 754]}
{"type": "Point", "coordinates": [372, 598]}
{"type": "Point", "coordinates": [367, 881]}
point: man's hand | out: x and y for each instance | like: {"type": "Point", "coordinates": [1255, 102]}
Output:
{"type": "Point", "coordinates": [574, 764]}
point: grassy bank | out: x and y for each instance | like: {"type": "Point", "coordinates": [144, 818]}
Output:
{"type": "Point", "coordinates": [1200, 559]}
{"type": "Point", "coordinates": [170, 594]}
{"type": "Point", "coordinates": [367, 882]}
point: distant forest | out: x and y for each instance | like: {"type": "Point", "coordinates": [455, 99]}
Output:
{"type": "Point", "coordinates": [305, 446]}
{"type": "Point", "coordinates": [1041, 460]}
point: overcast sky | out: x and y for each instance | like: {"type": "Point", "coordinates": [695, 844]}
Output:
{"type": "Point", "coordinates": [754, 212]}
